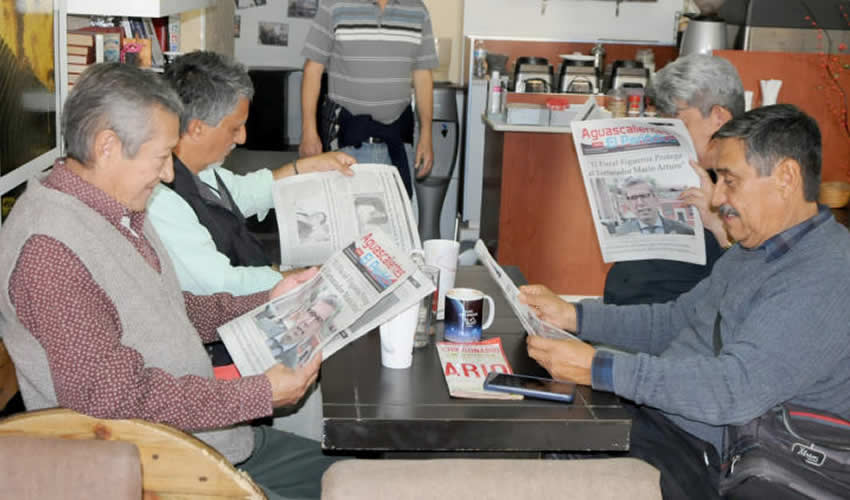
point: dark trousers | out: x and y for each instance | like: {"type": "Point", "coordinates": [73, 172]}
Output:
{"type": "Point", "coordinates": [679, 456]}
{"type": "Point", "coordinates": [675, 453]}
{"type": "Point", "coordinates": [286, 466]}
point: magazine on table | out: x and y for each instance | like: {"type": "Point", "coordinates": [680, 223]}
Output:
{"type": "Point", "coordinates": [319, 213]}
{"type": "Point", "coordinates": [532, 324]}
{"type": "Point", "coordinates": [465, 366]}
{"type": "Point", "coordinates": [634, 170]}
{"type": "Point", "coordinates": [359, 287]}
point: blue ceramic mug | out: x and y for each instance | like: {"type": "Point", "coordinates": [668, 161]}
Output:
{"type": "Point", "coordinates": [464, 313]}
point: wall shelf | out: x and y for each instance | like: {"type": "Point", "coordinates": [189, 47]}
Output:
{"type": "Point", "coordinates": [149, 8]}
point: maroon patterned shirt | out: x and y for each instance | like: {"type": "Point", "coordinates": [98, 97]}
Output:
{"type": "Point", "coordinates": [76, 323]}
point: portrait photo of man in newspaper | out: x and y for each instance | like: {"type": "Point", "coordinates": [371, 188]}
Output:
{"type": "Point", "coordinates": [641, 210]}
{"type": "Point", "coordinates": [293, 338]}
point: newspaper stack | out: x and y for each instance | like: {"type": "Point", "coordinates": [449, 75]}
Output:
{"type": "Point", "coordinates": [634, 170]}
{"type": "Point", "coordinates": [317, 214]}
{"type": "Point", "coordinates": [465, 366]}
{"type": "Point", "coordinates": [359, 287]}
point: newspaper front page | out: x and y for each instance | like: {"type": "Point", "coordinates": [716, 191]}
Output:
{"type": "Point", "coordinates": [532, 324]}
{"type": "Point", "coordinates": [358, 287]}
{"type": "Point", "coordinates": [634, 170]}
{"type": "Point", "coordinates": [465, 366]}
{"type": "Point", "coordinates": [319, 213]}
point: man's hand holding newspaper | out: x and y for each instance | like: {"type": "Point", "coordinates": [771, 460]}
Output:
{"type": "Point", "coordinates": [359, 287]}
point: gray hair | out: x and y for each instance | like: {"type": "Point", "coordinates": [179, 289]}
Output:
{"type": "Point", "coordinates": [209, 85]}
{"type": "Point", "coordinates": [700, 81]}
{"type": "Point", "coordinates": [773, 133]}
{"type": "Point", "coordinates": [117, 97]}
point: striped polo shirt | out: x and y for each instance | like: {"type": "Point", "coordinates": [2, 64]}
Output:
{"type": "Point", "coordinates": [369, 54]}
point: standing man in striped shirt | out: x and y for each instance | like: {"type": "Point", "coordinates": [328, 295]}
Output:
{"type": "Point", "coordinates": [371, 49]}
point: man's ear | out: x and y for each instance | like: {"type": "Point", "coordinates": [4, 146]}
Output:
{"type": "Point", "coordinates": [719, 116]}
{"type": "Point", "coordinates": [789, 177]}
{"type": "Point", "coordinates": [196, 129]}
{"type": "Point", "coordinates": [107, 147]}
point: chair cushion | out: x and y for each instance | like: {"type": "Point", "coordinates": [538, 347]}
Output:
{"type": "Point", "coordinates": [597, 479]}
{"type": "Point", "coordinates": [39, 468]}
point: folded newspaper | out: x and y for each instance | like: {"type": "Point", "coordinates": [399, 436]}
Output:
{"type": "Point", "coordinates": [465, 366]}
{"type": "Point", "coordinates": [319, 213]}
{"type": "Point", "coordinates": [634, 170]}
{"type": "Point", "coordinates": [532, 324]}
{"type": "Point", "coordinates": [359, 287]}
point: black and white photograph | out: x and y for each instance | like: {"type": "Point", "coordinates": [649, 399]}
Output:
{"type": "Point", "coordinates": [237, 26]}
{"type": "Point", "coordinates": [371, 214]}
{"type": "Point", "coordinates": [247, 4]}
{"type": "Point", "coordinates": [312, 226]}
{"type": "Point", "coordinates": [303, 8]}
{"type": "Point", "coordinates": [273, 34]}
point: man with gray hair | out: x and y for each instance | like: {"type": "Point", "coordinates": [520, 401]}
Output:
{"type": "Point", "coordinates": [90, 306]}
{"type": "Point", "coordinates": [704, 92]}
{"type": "Point", "coordinates": [770, 325]}
{"type": "Point", "coordinates": [200, 215]}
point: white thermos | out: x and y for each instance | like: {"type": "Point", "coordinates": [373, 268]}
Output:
{"type": "Point", "coordinates": [495, 95]}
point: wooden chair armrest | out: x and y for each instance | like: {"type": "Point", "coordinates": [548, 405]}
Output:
{"type": "Point", "coordinates": [174, 463]}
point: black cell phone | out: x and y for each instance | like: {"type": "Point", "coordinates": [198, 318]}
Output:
{"type": "Point", "coordinates": [534, 387]}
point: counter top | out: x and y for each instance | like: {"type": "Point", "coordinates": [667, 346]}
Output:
{"type": "Point", "coordinates": [498, 123]}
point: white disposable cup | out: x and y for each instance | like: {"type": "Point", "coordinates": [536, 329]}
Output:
{"type": "Point", "coordinates": [397, 338]}
{"type": "Point", "coordinates": [443, 254]}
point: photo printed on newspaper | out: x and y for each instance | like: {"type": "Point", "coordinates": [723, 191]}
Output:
{"type": "Point", "coordinates": [369, 278]}
{"type": "Point", "coordinates": [319, 213]}
{"type": "Point", "coordinates": [634, 171]}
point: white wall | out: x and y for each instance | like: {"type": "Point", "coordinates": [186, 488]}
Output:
{"type": "Point", "coordinates": [572, 20]}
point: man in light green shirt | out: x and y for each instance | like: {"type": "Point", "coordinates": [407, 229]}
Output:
{"type": "Point", "coordinates": [200, 216]}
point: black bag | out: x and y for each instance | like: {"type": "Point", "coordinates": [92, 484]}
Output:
{"type": "Point", "coordinates": [788, 453]}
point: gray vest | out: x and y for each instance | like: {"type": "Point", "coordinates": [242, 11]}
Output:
{"type": "Point", "coordinates": [150, 305]}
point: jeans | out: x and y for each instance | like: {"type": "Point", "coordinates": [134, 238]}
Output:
{"type": "Point", "coordinates": [377, 153]}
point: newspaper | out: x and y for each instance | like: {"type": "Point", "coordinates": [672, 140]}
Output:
{"type": "Point", "coordinates": [465, 366]}
{"type": "Point", "coordinates": [320, 213]}
{"type": "Point", "coordinates": [532, 324]}
{"type": "Point", "coordinates": [634, 170]}
{"type": "Point", "coordinates": [358, 288]}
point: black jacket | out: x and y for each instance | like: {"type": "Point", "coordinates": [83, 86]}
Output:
{"type": "Point", "coordinates": [656, 280]}
{"type": "Point", "coordinates": [227, 227]}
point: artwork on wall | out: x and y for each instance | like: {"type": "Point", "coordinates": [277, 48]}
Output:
{"type": "Point", "coordinates": [27, 83]}
{"type": "Point", "coordinates": [273, 34]}
{"type": "Point", "coordinates": [303, 8]}
{"type": "Point", "coordinates": [247, 4]}
{"type": "Point", "coordinates": [237, 25]}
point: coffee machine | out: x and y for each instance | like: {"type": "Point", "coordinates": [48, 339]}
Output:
{"type": "Point", "coordinates": [629, 74]}
{"type": "Point", "coordinates": [578, 74]}
{"type": "Point", "coordinates": [533, 74]}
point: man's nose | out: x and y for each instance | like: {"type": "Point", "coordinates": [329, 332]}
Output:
{"type": "Point", "coordinates": [167, 173]}
{"type": "Point", "coordinates": [718, 196]}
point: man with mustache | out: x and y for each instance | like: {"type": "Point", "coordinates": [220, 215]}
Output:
{"type": "Point", "coordinates": [200, 215]}
{"type": "Point", "coordinates": [769, 325]}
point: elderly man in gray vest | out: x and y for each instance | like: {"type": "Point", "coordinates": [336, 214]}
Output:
{"type": "Point", "coordinates": [769, 325]}
{"type": "Point", "coordinates": [92, 312]}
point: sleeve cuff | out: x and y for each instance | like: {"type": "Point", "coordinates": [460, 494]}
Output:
{"type": "Point", "coordinates": [602, 371]}
{"type": "Point", "coordinates": [579, 313]}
